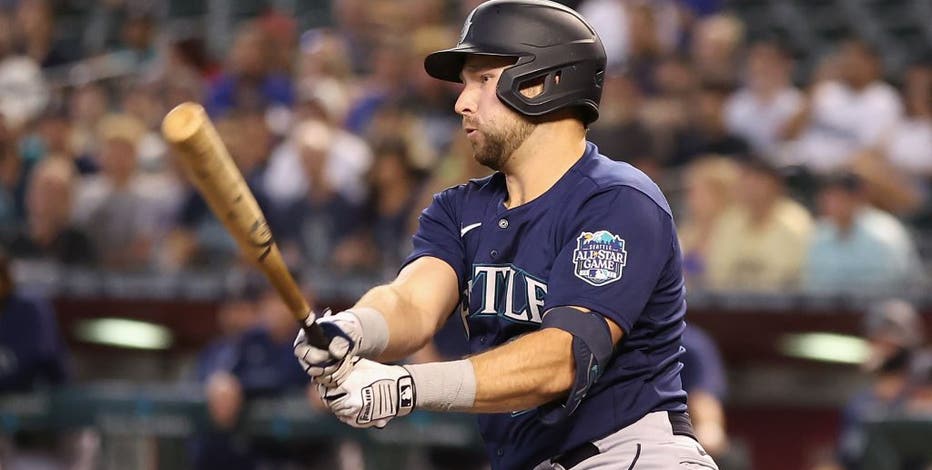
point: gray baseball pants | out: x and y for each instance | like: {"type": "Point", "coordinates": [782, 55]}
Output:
{"type": "Point", "coordinates": [648, 444]}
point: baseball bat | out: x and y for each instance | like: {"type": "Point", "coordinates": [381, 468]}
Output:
{"type": "Point", "coordinates": [207, 164]}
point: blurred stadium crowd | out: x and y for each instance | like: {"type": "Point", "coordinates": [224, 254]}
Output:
{"type": "Point", "coordinates": [784, 178]}
{"type": "Point", "coordinates": [787, 179]}
{"type": "Point", "coordinates": [791, 167]}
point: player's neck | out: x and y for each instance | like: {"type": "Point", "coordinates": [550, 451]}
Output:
{"type": "Point", "coordinates": [547, 154]}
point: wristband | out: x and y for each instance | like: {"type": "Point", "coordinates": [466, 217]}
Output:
{"type": "Point", "coordinates": [444, 386]}
{"type": "Point", "coordinates": [374, 331]}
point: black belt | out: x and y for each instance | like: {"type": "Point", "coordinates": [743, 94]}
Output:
{"type": "Point", "coordinates": [682, 425]}
{"type": "Point", "coordinates": [679, 421]}
{"type": "Point", "coordinates": [574, 456]}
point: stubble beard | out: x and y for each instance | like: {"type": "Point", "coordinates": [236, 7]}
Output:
{"type": "Point", "coordinates": [499, 143]}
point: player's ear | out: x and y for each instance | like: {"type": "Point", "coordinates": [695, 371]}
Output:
{"type": "Point", "coordinates": [533, 88]}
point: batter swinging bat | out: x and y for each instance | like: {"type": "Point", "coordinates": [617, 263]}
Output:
{"type": "Point", "coordinates": [208, 165]}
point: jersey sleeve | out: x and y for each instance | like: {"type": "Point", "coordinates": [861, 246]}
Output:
{"type": "Point", "coordinates": [438, 234]}
{"type": "Point", "coordinates": [620, 244]}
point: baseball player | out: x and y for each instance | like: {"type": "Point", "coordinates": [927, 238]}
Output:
{"type": "Point", "coordinates": [566, 265]}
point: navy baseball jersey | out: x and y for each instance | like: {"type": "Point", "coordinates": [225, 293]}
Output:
{"type": "Point", "coordinates": [602, 238]}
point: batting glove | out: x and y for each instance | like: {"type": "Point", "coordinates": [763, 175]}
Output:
{"type": "Point", "coordinates": [330, 366]}
{"type": "Point", "coordinates": [371, 395]}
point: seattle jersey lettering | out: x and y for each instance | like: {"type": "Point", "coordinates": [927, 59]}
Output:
{"type": "Point", "coordinates": [506, 291]}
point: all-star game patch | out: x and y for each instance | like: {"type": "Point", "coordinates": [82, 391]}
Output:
{"type": "Point", "coordinates": [599, 257]}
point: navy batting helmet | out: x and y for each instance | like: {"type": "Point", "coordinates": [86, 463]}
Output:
{"type": "Point", "coordinates": [548, 40]}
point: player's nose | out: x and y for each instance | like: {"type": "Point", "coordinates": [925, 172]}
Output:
{"type": "Point", "coordinates": [466, 102]}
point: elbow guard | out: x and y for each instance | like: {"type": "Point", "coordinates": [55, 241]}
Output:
{"type": "Point", "coordinates": [592, 349]}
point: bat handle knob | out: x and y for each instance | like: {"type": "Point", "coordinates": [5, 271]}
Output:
{"type": "Point", "coordinates": [315, 336]}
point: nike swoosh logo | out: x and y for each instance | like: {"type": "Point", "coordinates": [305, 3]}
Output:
{"type": "Point", "coordinates": [467, 228]}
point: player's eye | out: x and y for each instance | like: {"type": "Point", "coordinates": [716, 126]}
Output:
{"type": "Point", "coordinates": [486, 77]}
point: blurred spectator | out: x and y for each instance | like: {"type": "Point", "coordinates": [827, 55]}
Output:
{"type": "Point", "coordinates": [118, 26]}
{"type": "Point", "coordinates": [610, 19]}
{"type": "Point", "coordinates": [312, 228]}
{"type": "Point", "coordinates": [249, 82]}
{"type": "Point", "coordinates": [894, 333]}
{"type": "Point", "coordinates": [760, 111]}
{"type": "Point", "coordinates": [667, 112]}
{"type": "Point", "coordinates": [395, 184]}
{"type": "Point", "coordinates": [429, 99]}
{"type": "Point", "coordinates": [189, 55]}
{"type": "Point", "coordinates": [759, 244]}
{"type": "Point", "coordinates": [710, 184]}
{"type": "Point", "coordinates": [33, 358]}
{"type": "Point", "coordinates": [324, 73]}
{"type": "Point", "coordinates": [845, 115]}
{"type": "Point", "coordinates": [455, 167]}
{"type": "Point", "coordinates": [52, 136]}
{"type": "Point", "coordinates": [183, 85]}
{"type": "Point", "coordinates": [348, 158]}
{"type": "Point", "coordinates": [701, 8]}
{"type": "Point", "coordinates": [634, 33]}
{"type": "Point", "coordinates": [35, 34]}
{"type": "Point", "coordinates": [23, 92]}
{"type": "Point", "coordinates": [265, 363]}
{"type": "Point", "coordinates": [10, 181]}
{"type": "Point", "coordinates": [352, 20]}
{"type": "Point", "coordinates": [855, 247]}
{"type": "Point", "coordinates": [237, 314]}
{"type": "Point", "coordinates": [397, 121]}
{"type": "Point", "coordinates": [388, 20]}
{"type": "Point", "coordinates": [387, 83]}
{"type": "Point", "coordinates": [645, 44]}
{"type": "Point", "coordinates": [898, 174]}
{"type": "Point", "coordinates": [87, 106]}
{"type": "Point", "coordinates": [429, 12]}
{"type": "Point", "coordinates": [137, 34]}
{"type": "Point", "coordinates": [260, 363]}
{"type": "Point", "coordinates": [114, 206]}
{"type": "Point", "coordinates": [223, 447]}
{"type": "Point", "coordinates": [919, 401]}
{"type": "Point", "coordinates": [197, 238]}
{"type": "Point", "coordinates": [48, 233]}
{"type": "Point", "coordinates": [141, 101]}
{"type": "Point", "coordinates": [909, 144]}
{"type": "Point", "coordinates": [704, 380]}
{"type": "Point", "coordinates": [282, 33]}
{"type": "Point", "coordinates": [707, 131]}
{"type": "Point", "coordinates": [619, 132]}
{"type": "Point", "coordinates": [716, 44]}
{"type": "Point", "coordinates": [32, 354]}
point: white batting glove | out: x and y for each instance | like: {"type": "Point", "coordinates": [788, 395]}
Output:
{"type": "Point", "coordinates": [329, 366]}
{"type": "Point", "coordinates": [371, 395]}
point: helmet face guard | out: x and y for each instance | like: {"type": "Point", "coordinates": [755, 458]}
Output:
{"type": "Point", "coordinates": [550, 42]}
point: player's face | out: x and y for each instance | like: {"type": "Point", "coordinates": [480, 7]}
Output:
{"type": "Point", "coordinates": [493, 129]}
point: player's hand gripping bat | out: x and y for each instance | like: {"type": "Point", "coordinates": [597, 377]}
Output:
{"type": "Point", "coordinates": [208, 165]}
